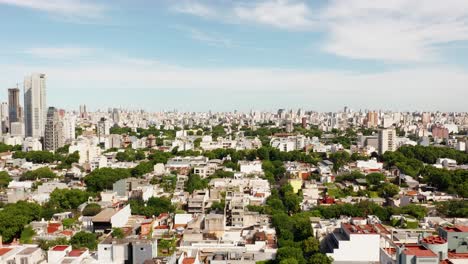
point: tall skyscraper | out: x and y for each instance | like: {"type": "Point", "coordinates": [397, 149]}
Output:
{"type": "Point", "coordinates": [53, 135]}
{"type": "Point", "coordinates": [14, 107]}
{"type": "Point", "coordinates": [387, 140]}
{"type": "Point", "coordinates": [372, 119]}
{"type": "Point", "coordinates": [35, 106]}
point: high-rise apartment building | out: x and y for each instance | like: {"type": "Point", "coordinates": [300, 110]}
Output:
{"type": "Point", "coordinates": [387, 140]}
{"type": "Point", "coordinates": [53, 135]}
{"type": "Point", "coordinates": [14, 106]}
{"type": "Point", "coordinates": [372, 119]}
{"type": "Point", "coordinates": [35, 106]}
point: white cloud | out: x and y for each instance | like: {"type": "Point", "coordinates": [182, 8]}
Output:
{"type": "Point", "coordinates": [409, 89]}
{"type": "Point", "coordinates": [285, 14]}
{"type": "Point", "coordinates": [195, 8]}
{"type": "Point", "coordinates": [63, 8]}
{"type": "Point", "coordinates": [400, 30]}
{"type": "Point", "coordinates": [279, 13]}
{"type": "Point", "coordinates": [58, 52]}
{"type": "Point", "coordinates": [392, 31]}
{"type": "Point", "coordinates": [209, 38]}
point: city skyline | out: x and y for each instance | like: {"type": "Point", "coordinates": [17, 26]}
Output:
{"type": "Point", "coordinates": [220, 55]}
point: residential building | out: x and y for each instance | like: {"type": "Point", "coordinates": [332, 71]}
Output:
{"type": "Point", "coordinates": [14, 107]}
{"type": "Point", "coordinates": [35, 110]}
{"type": "Point", "coordinates": [53, 136]}
{"type": "Point", "coordinates": [387, 139]}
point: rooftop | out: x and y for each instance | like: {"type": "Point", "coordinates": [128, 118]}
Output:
{"type": "Point", "coordinates": [60, 248]}
{"type": "Point", "coordinates": [105, 215]}
{"type": "Point", "coordinates": [359, 229]}
{"type": "Point", "coordinates": [28, 250]}
{"type": "Point", "coordinates": [418, 251]}
{"type": "Point", "coordinates": [456, 228]}
{"type": "Point", "coordinates": [434, 240]}
{"type": "Point", "coordinates": [76, 253]}
{"type": "Point", "coordinates": [188, 261]}
{"type": "Point", "coordinates": [3, 251]}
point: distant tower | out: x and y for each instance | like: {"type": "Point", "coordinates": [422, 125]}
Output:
{"type": "Point", "coordinates": [14, 107]}
{"type": "Point", "coordinates": [35, 110]}
{"type": "Point", "coordinates": [116, 115]}
{"type": "Point", "coordinates": [387, 140]}
{"type": "Point", "coordinates": [53, 136]}
{"type": "Point", "coordinates": [83, 112]}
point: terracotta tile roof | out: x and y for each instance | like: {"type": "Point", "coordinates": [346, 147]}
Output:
{"type": "Point", "coordinates": [418, 251]}
{"type": "Point", "coordinates": [53, 227]}
{"type": "Point", "coordinates": [60, 248]}
{"type": "Point", "coordinates": [188, 261]}
{"type": "Point", "coordinates": [3, 251]}
{"type": "Point", "coordinates": [456, 229]}
{"type": "Point", "coordinates": [75, 253]}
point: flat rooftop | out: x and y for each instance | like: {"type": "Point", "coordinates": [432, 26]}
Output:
{"type": "Point", "coordinates": [105, 215]}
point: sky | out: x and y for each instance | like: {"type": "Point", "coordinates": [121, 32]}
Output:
{"type": "Point", "coordinates": [199, 55]}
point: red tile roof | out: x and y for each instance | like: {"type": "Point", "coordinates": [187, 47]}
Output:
{"type": "Point", "coordinates": [453, 255]}
{"type": "Point", "coordinates": [3, 251]}
{"type": "Point", "coordinates": [53, 227]}
{"type": "Point", "coordinates": [418, 251]}
{"type": "Point", "coordinates": [67, 233]}
{"type": "Point", "coordinates": [75, 253]}
{"type": "Point", "coordinates": [60, 248]}
{"type": "Point", "coordinates": [456, 229]}
{"type": "Point", "coordinates": [359, 229]}
{"type": "Point", "coordinates": [434, 240]}
{"type": "Point", "coordinates": [188, 261]}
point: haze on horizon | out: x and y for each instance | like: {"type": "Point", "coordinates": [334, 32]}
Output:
{"type": "Point", "coordinates": [239, 55]}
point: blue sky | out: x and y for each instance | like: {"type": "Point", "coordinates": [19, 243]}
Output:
{"type": "Point", "coordinates": [223, 55]}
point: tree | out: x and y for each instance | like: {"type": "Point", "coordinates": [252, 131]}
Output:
{"type": "Point", "coordinates": [289, 261]}
{"type": "Point", "coordinates": [154, 207]}
{"type": "Point", "coordinates": [68, 198]}
{"type": "Point", "coordinates": [388, 190]}
{"type": "Point", "coordinates": [142, 168]}
{"type": "Point", "coordinates": [195, 182]}
{"type": "Point", "coordinates": [103, 178]}
{"type": "Point", "coordinates": [84, 239]}
{"type": "Point", "coordinates": [310, 246]}
{"type": "Point", "coordinates": [91, 209]}
{"type": "Point", "coordinates": [453, 208]}
{"type": "Point", "coordinates": [118, 233]}
{"type": "Point", "coordinates": [197, 141]}
{"type": "Point", "coordinates": [14, 217]}
{"type": "Point", "coordinates": [290, 253]}
{"type": "Point", "coordinates": [217, 206]}
{"type": "Point", "coordinates": [167, 245]}
{"type": "Point", "coordinates": [5, 179]}
{"type": "Point", "coordinates": [375, 178]}
{"type": "Point", "coordinates": [41, 173]}
{"type": "Point", "coordinates": [320, 258]}
{"type": "Point", "coordinates": [339, 159]}
{"type": "Point", "coordinates": [27, 235]}
{"type": "Point", "coordinates": [68, 222]}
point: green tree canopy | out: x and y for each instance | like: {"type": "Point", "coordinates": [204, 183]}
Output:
{"type": "Point", "coordinates": [84, 239]}
{"type": "Point", "coordinates": [91, 209]}
{"type": "Point", "coordinates": [103, 178]}
{"type": "Point", "coordinates": [41, 173]}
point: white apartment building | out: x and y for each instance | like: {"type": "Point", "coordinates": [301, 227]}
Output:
{"type": "Point", "coordinates": [354, 242]}
{"type": "Point", "coordinates": [387, 140]}
{"type": "Point", "coordinates": [35, 106]}
{"type": "Point", "coordinates": [289, 143]}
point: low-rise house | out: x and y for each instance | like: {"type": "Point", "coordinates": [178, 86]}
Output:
{"type": "Point", "coordinates": [110, 218]}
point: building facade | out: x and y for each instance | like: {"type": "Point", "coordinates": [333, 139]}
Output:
{"type": "Point", "coordinates": [35, 110]}
{"type": "Point", "coordinates": [53, 135]}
